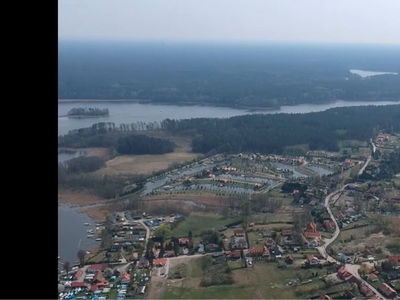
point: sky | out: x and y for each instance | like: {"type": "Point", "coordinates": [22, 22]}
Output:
{"type": "Point", "coordinates": [307, 21]}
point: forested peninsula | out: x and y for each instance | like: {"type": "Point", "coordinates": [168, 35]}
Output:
{"type": "Point", "coordinates": [260, 133]}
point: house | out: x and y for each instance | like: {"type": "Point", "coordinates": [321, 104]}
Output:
{"type": "Point", "coordinates": [330, 226]}
{"type": "Point", "coordinates": [78, 284]}
{"type": "Point", "coordinates": [251, 224]}
{"type": "Point", "coordinates": [257, 252]}
{"type": "Point", "coordinates": [372, 277]}
{"type": "Point", "coordinates": [277, 251]}
{"type": "Point", "coordinates": [314, 243]}
{"type": "Point", "coordinates": [211, 247]}
{"type": "Point", "coordinates": [269, 242]}
{"type": "Point", "coordinates": [289, 259]}
{"type": "Point", "coordinates": [339, 215]}
{"type": "Point", "coordinates": [134, 256]}
{"type": "Point", "coordinates": [311, 231]}
{"type": "Point", "coordinates": [78, 274]}
{"type": "Point", "coordinates": [96, 267]}
{"type": "Point", "coordinates": [116, 247]}
{"type": "Point", "coordinates": [143, 263]}
{"type": "Point", "coordinates": [287, 233]}
{"type": "Point", "coordinates": [238, 243]}
{"type": "Point", "coordinates": [312, 260]}
{"type": "Point", "coordinates": [344, 258]}
{"type": "Point", "coordinates": [125, 278]}
{"type": "Point", "coordinates": [234, 255]}
{"type": "Point", "coordinates": [313, 202]}
{"type": "Point", "coordinates": [267, 234]}
{"type": "Point", "coordinates": [387, 291]}
{"type": "Point", "coordinates": [366, 291]}
{"type": "Point", "coordinates": [344, 274]}
{"type": "Point", "coordinates": [183, 242]}
{"type": "Point", "coordinates": [169, 253]}
{"type": "Point", "coordinates": [98, 279]}
{"type": "Point", "coordinates": [200, 248]}
{"type": "Point", "coordinates": [239, 232]}
{"type": "Point", "coordinates": [395, 259]}
{"type": "Point", "coordinates": [159, 262]}
{"type": "Point", "coordinates": [348, 163]}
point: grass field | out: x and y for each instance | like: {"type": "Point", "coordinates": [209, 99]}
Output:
{"type": "Point", "coordinates": [197, 222]}
{"type": "Point", "coordinates": [271, 218]}
{"type": "Point", "coordinates": [263, 281]}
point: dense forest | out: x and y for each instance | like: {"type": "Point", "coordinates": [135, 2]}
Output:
{"type": "Point", "coordinates": [227, 75]}
{"type": "Point", "coordinates": [274, 133]}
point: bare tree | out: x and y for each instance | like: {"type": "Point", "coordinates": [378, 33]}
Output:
{"type": "Point", "coordinates": [81, 256]}
{"type": "Point", "coordinates": [67, 266]}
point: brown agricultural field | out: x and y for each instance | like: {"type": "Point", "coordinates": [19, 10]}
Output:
{"type": "Point", "coordinates": [146, 164]}
{"type": "Point", "coordinates": [74, 198]}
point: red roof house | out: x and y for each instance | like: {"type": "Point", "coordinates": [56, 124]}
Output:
{"type": "Point", "coordinates": [258, 251]}
{"type": "Point", "coordinates": [159, 262]}
{"type": "Point", "coordinates": [344, 274]}
{"type": "Point", "coordinates": [366, 291]}
{"type": "Point", "coordinates": [387, 291]}
{"type": "Point", "coordinates": [77, 284]}
{"type": "Point", "coordinates": [238, 232]}
{"type": "Point", "coordinates": [183, 242]}
{"type": "Point", "coordinates": [311, 231]}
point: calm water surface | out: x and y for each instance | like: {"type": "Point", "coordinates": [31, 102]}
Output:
{"type": "Point", "coordinates": [130, 112]}
{"type": "Point", "coordinates": [71, 231]}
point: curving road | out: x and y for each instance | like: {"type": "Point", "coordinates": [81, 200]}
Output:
{"type": "Point", "coordinates": [352, 268]}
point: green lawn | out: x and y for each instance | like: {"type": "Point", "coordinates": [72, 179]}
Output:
{"type": "Point", "coordinates": [197, 222]}
{"type": "Point", "coordinates": [255, 239]}
{"type": "Point", "coordinates": [213, 292]}
{"type": "Point", "coordinates": [112, 294]}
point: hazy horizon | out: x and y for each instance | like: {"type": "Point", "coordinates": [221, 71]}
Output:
{"type": "Point", "coordinates": [231, 21]}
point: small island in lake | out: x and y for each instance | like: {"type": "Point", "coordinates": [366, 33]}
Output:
{"type": "Point", "coordinates": [79, 112]}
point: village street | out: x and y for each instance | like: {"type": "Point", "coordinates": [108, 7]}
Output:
{"type": "Point", "coordinates": [352, 268]}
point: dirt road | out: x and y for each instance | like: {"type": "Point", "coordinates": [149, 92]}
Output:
{"type": "Point", "coordinates": [158, 281]}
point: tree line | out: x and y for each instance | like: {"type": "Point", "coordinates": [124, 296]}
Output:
{"type": "Point", "coordinates": [276, 133]}
{"type": "Point", "coordinates": [84, 111]}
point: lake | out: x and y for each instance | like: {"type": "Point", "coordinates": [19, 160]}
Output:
{"type": "Point", "coordinates": [132, 112]}
{"type": "Point", "coordinates": [364, 73]}
{"type": "Point", "coordinates": [71, 230]}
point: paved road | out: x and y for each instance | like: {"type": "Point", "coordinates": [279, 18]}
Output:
{"type": "Point", "coordinates": [352, 268]}
{"type": "Point", "coordinates": [365, 165]}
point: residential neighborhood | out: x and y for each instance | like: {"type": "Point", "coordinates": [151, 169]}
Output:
{"type": "Point", "coordinates": [325, 237]}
